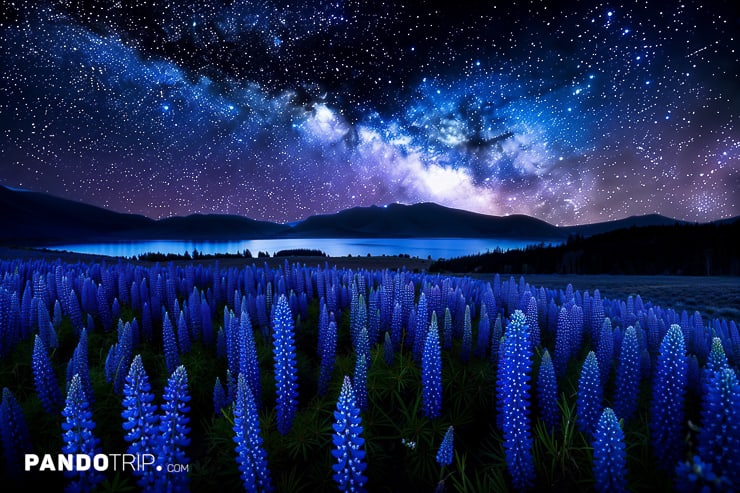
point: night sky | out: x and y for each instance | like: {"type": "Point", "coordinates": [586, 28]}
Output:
{"type": "Point", "coordinates": [575, 113]}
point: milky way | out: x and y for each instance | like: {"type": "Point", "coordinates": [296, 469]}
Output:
{"type": "Point", "coordinates": [578, 113]}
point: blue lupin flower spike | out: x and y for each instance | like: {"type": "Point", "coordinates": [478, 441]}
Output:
{"type": "Point", "coordinates": [467, 342]}
{"type": "Point", "coordinates": [563, 336]}
{"type": "Point", "coordinates": [590, 395]}
{"type": "Point", "coordinates": [719, 437]}
{"type": "Point", "coordinates": [533, 322]}
{"type": "Point", "coordinates": [628, 376]}
{"type": "Point", "coordinates": [173, 430]}
{"type": "Point", "coordinates": [669, 388]}
{"type": "Point", "coordinates": [447, 330]}
{"type": "Point", "coordinates": [78, 436]}
{"type": "Point", "coordinates": [14, 435]}
{"type": "Point", "coordinates": [44, 379]}
{"type": "Point", "coordinates": [251, 455]}
{"type": "Point", "coordinates": [219, 396]}
{"type": "Point", "coordinates": [79, 364]}
{"type": "Point", "coordinates": [388, 353]}
{"type": "Point", "coordinates": [183, 334]}
{"type": "Point", "coordinates": [348, 442]}
{"type": "Point", "coordinates": [716, 362]}
{"type": "Point", "coordinates": [422, 326]}
{"type": "Point", "coordinates": [610, 455]}
{"type": "Point", "coordinates": [220, 343]}
{"type": "Point", "coordinates": [46, 328]}
{"type": "Point", "coordinates": [431, 373]}
{"type": "Point", "coordinates": [328, 353]}
{"type": "Point", "coordinates": [484, 334]}
{"type": "Point", "coordinates": [362, 345]}
{"type": "Point", "coordinates": [140, 419]}
{"type": "Point", "coordinates": [547, 393]}
{"type": "Point", "coordinates": [446, 448]}
{"type": "Point", "coordinates": [286, 372]}
{"type": "Point", "coordinates": [323, 327]}
{"type": "Point", "coordinates": [515, 366]}
{"type": "Point", "coordinates": [248, 362]}
{"type": "Point", "coordinates": [397, 325]}
{"type": "Point", "coordinates": [171, 355]}
{"type": "Point", "coordinates": [360, 381]}
{"type": "Point", "coordinates": [605, 350]}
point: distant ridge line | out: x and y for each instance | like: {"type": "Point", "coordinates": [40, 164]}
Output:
{"type": "Point", "coordinates": [35, 218]}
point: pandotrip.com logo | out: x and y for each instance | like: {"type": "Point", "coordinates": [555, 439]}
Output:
{"type": "Point", "coordinates": [99, 462]}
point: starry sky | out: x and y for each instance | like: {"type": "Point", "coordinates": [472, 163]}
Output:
{"type": "Point", "coordinates": [573, 113]}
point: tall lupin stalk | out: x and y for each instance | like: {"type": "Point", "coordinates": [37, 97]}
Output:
{"type": "Point", "coordinates": [669, 388]}
{"type": "Point", "coordinates": [349, 450]}
{"type": "Point", "coordinates": [431, 373]}
{"type": "Point", "coordinates": [515, 367]}
{"type": "Point", "coordinates": [286, 372]}
{"type": "Point", "coordinates": [610, 455]}
{"type": "Point", "coordinates": [251, 455]}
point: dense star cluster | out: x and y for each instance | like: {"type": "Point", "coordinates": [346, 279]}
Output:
{"type": "Point", "coordinates": [575, 113]}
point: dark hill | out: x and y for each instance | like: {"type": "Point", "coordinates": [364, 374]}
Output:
{"type": "Point", "coordinates": [214, 226]}
{"type": "Point", "coordinates": [32, 217]}
{"type": "Point", "coordinates": [422, 220]}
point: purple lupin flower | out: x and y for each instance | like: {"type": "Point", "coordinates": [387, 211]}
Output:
{"type": "Point", "coordinates": [446, 448]}
{"type": "Point", "coordinates": [431, 373]}
{"type": "Point", "coordinates": [14, 435]}
{"type": "Point", "coordinates": [719, 437]}
{"type": "Point", "coordinates": [173, 433]}
{"type": "Point", "coordinates": [547, 393]}
{"type": "Point", "coordinates": [610, 455]}
{"type": "Point", "coordinates": [251, 455]}
{"type": "Point", "coordinates": [78, 436]}
{"type": "Point", "coordinates": [628, 376]}
{"type": "Point", "coordinates": [286, 372]}
{"type": "Point", "coordinates": [348, 443]}
{"type": "Point", "coordinates": [515, 366]}
{"type": "Point", "coordinates": [669, 388]}
{"type": "Point", "coordinates": [328, 352]}
{"type": "Point", "coordinates": [171, 355]}
{"type": "Point", "coordinates": [248, 363]}
{"type": "Point", "coordinates": [44, 379]}
{"type": "Point", "coordinates": [467, 341]}
{"type": "Point", "coordinates": [590, 395]}
{"type": "Point", "coordinates": [140, 418]}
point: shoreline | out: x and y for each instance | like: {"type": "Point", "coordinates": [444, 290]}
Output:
{"type": "Point", "coordinates": [353, 262]}
{"type": "Point", "coordinates": [715, 296]}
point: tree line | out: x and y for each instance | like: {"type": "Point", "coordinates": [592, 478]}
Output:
{"type": "Point", "coordinates": [680, 249]}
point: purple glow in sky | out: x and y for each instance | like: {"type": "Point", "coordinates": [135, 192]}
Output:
{"type": "Point", "coordinates": [575, 113]}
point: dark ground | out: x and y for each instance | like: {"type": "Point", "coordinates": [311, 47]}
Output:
{"type": "Point", "coordinates": [713, 296]}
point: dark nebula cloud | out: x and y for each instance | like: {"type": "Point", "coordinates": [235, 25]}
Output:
{"type": "Point", "coordinates": [575, 113]}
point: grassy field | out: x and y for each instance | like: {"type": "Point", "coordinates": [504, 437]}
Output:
{"type": "Point", "coordinates": [711, 296]}
{"type": "Point", "coordinates": [302, 460]}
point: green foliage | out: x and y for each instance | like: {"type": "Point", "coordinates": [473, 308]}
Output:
{"type": "Point", "coordinates": [562, 458]}
{"type": "Point", "coordinates": [469, 478]}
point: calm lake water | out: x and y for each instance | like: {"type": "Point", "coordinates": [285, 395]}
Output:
{"type": "Point", "coordinates": [334, 247]}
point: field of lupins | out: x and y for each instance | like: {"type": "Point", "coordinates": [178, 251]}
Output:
{"type": "Point", "coordinates": [319, 379]}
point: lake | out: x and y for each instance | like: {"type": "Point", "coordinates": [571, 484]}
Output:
{"type": "Point", "coordinates": [334, 247]}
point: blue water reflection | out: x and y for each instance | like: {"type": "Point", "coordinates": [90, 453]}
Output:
{"type": "Point", "coordinates": [335, 247]}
